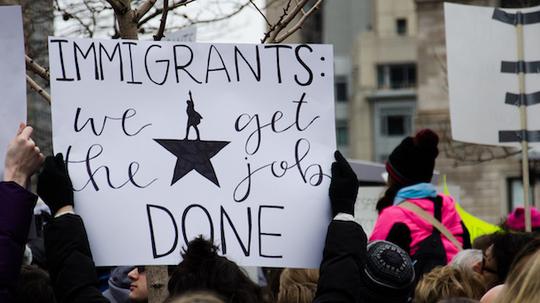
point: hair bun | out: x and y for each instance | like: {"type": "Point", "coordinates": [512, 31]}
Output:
{"type": "Point", "coordinates": [199, 249]}
{"type": "Point", "coordinates": [426, 138]}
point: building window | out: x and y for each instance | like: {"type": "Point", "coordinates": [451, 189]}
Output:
{"type": "Point", "coordinates": [342, 133]}
{"type": "Point", "coordinates": [393, 121]}
{"type": "Point", "coordinates": [401, 27]}
{"type": "Point", "coordinates": [515, 192]}
{"type": "Point", "coordinates": [341, 89]}
{"type": "Point", "coordinates": [396, 76]}
{"type": "Point", "coordinates": [395, 125]}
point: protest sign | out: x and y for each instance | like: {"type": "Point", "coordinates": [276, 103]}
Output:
{"type": "Point", "coordinates": [165, 141]}
{"type": "Point", "coordinates": [12, 76]}
{"type": "Point", "coordinates": [493, 79]}
{"type": "Point", "coordinates": [483, 88]}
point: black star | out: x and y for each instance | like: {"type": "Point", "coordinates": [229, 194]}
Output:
{"type": "Point", "coordinates": [193, 155]}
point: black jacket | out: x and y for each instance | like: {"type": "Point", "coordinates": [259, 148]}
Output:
{"type": "Point", "coordinates": [342, 274]}
{"type": "Point", "coordinates": [70, 261]}
{"type": "Point", "coordinates": [343, 260]}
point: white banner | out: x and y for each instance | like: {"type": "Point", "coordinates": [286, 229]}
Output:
{"type": "Point", "coordinates": [12, 77]}
{"type": "Point", "coordinates": [165, 141]}
{"type": "Point", "coordinates": [482, 59]}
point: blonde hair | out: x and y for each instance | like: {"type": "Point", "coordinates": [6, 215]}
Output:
{"type": "Point", "coordinates": [449, 282]}
{"type": "Point", "coordinates": [523, 285]}
{"type": "Point", "coordinates": [297, 285]}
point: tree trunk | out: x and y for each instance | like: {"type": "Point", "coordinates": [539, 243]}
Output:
{"type": "Point", "coordinates": [127, 25]}
{"type": "Point", "coordinates": [156, 279]}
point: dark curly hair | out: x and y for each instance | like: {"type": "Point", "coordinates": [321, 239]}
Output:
{"type": "Point", "coordinates": [202, 269]}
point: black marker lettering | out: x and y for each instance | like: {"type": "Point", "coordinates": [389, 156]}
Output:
{"type": "Point", "coordinates": [157, 61]}
{"type": "Point", "coordinates": [256, 74]}
{"type": "Point", "coordinates": [103, 50]}
{"type": "Point", "coordinates": [152, 236]}
{"type": "Point", "coordinates": [303, 63]}
{"type": "Point", "coordinates": [223, 67]}
{"type": "Point", "coordinates": [61, 53]}
{"type": "Point", "coordinates": [77, 50]}
{"type": "Point", "coordinates": [183, 67]}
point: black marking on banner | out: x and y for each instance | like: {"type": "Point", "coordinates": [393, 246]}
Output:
{"type": "Point", "coordinates": [519, 135]}
{"type": "Point", "coordinates": [513, 67]}
{"type": "Point", "coordinates": [522, 99]}
{"type": "Point", "coordinates": [517, 18]}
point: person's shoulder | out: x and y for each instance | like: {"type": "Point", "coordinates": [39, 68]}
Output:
{"type": "Point", "coordinates": [392, 211]}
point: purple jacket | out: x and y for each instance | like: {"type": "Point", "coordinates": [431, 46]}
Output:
{"type": "Point", "coordinates": [16, 210]}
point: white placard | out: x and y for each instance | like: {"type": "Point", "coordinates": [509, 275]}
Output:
{"type": "Point", "coordinates": [12, 77]}
{"type": "Point", "coordinates": [365, 212]}
{"type": "Point", "coordinates": [476, 45]}
{"type": "Point", "coordinates": [256, 179]}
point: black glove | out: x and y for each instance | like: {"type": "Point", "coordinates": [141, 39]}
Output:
{"type": "Point", "coordinates": [54, 185]}
{"type": "Point", "coordinates": [343, 187]}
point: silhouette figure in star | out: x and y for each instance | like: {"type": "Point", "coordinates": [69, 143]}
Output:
{"type": "Point", "coordinates": [194, 118]}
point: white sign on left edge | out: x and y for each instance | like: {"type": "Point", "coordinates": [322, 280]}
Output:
{"type": "Point", "coordinates": [165, 141]}
{"type": "Point", "coordinates": [12, 76]}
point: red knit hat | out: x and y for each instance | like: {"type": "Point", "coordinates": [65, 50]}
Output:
{"type": "Point", "coordinates": [413, 160]}
{"type": "Point", "coordinates": [516, 219]}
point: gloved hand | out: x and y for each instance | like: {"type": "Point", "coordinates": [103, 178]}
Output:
{"type": "Point", "coordinates": [343, 187]}
{"type": "Point", "coordinates": [54, 185]}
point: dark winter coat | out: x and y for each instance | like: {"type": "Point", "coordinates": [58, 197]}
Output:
{"type": "Point", "coordinates": [70, 261]}
{"type": "Point", "coordinates": [16, 210]}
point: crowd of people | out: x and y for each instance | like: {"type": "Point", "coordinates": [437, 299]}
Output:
{"type": "Point", "coordinates": [419, 251]}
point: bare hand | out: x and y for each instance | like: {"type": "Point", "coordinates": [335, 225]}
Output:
{"type": "Point", "coordinates": [23, 157]}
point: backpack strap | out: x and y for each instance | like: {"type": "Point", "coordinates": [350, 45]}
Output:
{"type": "Point", "coordinates": [429, 218]}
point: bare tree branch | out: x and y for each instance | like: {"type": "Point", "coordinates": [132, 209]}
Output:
{"type": "Point", "coordinates": [278, 24]}
{"type": "Point", "coordinates": [36, 68]}
{"type": "Point", "coordinates": [163, 21]}
{"type": "Point", "coordinates": [34, 86]}
{"type": "Point", "coordinates": [143, 9]}
{"type": "Point", "coordinates": [261, 13]}
{"type": "Point", "coordinates": [159, 11]}
{"type": "Point", "coordinates": [118, 6]}
{"type": "Point", "coordinates": [300, 22]}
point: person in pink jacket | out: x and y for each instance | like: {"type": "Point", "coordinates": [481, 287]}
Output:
{"type": "Point", "coordinates": [410, 169]}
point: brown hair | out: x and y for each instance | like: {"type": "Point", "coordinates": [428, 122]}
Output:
{"type": "Point", "coordinates": [447, 282]}
{"type": "Point", "coordinates": [196, 297]}
{"type": "Point", "coordinates": [297, 285]}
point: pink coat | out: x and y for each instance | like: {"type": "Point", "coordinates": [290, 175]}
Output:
{"type": "Point", "coordinates": [419, 228]}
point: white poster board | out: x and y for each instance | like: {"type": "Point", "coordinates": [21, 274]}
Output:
{"type": "Point", "coordinates": [12, 77]}
{"type": "Point", "coordinates": [257, 177]}
{"type": "Point", "coordinates": [365, 212]}
{"type": "Point", "coordinates": [477, 44]}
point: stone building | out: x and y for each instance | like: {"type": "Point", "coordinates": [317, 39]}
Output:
{"type": "Point", "coordinates": [384, 84]}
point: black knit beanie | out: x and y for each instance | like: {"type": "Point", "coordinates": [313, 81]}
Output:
{"type": "Point", "coordinates": [388, 272]}
{"type": "Point", "coordinates": [413, 160]}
